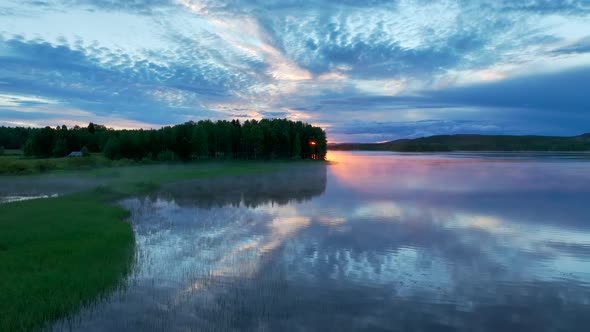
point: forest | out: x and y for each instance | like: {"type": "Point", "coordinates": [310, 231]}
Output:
{"type": "Point", "coordinates": [206, 139]}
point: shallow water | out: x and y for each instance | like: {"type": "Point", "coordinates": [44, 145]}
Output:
{"type": "Point", "coordinates": [375, 241]}
{"type": "Point", "coordinates": [12, 198]}
{"type": "Point", "coordinates": [21, 188]}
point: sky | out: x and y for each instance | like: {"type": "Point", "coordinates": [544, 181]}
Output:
{"type": "Point", "coordinates": [365, 71]}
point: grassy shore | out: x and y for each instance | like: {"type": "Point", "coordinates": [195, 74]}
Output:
{"type": "Point", "coordinates": [59, 254]}
{"type": "Point", "coordinates": [16, 164]}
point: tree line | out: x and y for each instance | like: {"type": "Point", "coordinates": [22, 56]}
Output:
{"type": "Point", "coordinates": [444, 143]}
{"type": "Point", "coordinates": [252, 139]}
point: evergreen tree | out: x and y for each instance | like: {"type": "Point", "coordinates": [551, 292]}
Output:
{"type": "Point", "coordinates": [257, 141]}
{"type": "Point", "coordinates": [60, 149]}
{"type": "Point", "coordinates": [28, 149]}
{"type": "Point", "coordinates": [43, 142]}
{"type": "Point", "coordinates": [264, 139]}
{"type": "Point", "coordinates": [199, 141]}
{"type": "Point", "coordinates": [296, 147]}
{"type": "Point", "coordinates": [183, 149]}
{"type": "Point", "coordinates": [166, 155]}
{"type": "Point", "coordinates": [112, 149]}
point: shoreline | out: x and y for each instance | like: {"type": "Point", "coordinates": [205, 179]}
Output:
{"type": "Point", "coordinates": [16, 165]}
{"type": "Point", "coordinates": [62, 253]}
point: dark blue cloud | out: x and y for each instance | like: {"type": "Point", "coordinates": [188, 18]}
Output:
{"type": "Point", "coordinates": [374, 59]}
{"type": "Point", "coordinates": [138, 6]}
{"type": "Point", "coordinates": [502, 123]}
{"type": "Point", "coordinates": [544, 104]}
{"type": "Point", "coordinates": [119, 84]}
{"type": "Point", "coordinates": [563, 92]}
{"type": "Point", "coordinates": [570, 7]}
{"type": "Point", "coordinates": [420, 128]}
{"type": "Point", "coordinates": [26, 116]}
{"type": "Point", "coordinates": [582, 46]}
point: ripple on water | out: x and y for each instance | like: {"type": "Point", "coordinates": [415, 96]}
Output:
{"type": "Point", "coordinates": [9, 199]}
{"type": "Point", "coordinates": [375, 242]}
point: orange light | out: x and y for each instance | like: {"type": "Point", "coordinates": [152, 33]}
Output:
{"type": "Point", "coordinates": [312, 143]}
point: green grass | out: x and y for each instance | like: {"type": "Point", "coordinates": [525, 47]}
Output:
{"type": "Point", "coordinates": [13, 152]}
{"type": "Point", "coordinates": [59, 254]}
{"type": "Point", "coordinates": [19, 165]}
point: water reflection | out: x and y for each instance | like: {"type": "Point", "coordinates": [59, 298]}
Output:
{"type": "Point", "coordinates": [376, 242]}
{"type": "Point", "coordinates": [299, 184]}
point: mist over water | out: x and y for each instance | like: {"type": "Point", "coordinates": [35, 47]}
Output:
{"type": "Point", "coordinates": [21, 188]}
{"type": "Point", "coordinates": [372, 241]}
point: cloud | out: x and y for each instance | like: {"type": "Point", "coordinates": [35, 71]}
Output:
{"type": "Point", "coordinates": [392, 39]}
{"type": "Point", "coordinates": [103, 80]}
{"type": "Point", "coordinates": [579, 47]}
{"type": "Point", "coordinates": [570, 7]}
{"type": "Point", "coordinates": [549, 103]}
{"type": "Point", "coordinates": [419, 128]}
{"type": "Point", "coordinates": [385, 131]}
{"type": "Point", "coordinates": [137, 6]}
{"type": "Point", "coordinates": [427, 66]}
{"type": "Point", "coordinates": [563, 92]}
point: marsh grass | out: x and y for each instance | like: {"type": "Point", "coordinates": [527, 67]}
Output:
{"type": "Point", "coordinates": [18, 165]}
{"type": "Point", "coordinates": [60, 254]}
{"type": "Point", "coordinates": [13, 152]}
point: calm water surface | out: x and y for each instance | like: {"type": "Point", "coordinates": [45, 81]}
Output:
{"type": "Point", "coordinates": [375, 242]}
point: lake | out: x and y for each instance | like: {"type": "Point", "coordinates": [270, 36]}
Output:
{"type": "Point", "coordinates": [372, 241]}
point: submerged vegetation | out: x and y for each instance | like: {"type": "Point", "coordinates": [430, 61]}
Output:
{"type": "Point", "coordinates": [444, 143]}
{"type": "Point", "coordinates": [58, 254]}
{"type": "Point", "coordinates": [264, 139]}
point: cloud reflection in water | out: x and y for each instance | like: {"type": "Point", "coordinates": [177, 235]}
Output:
{"type": "Point", "coordinates": [373, 242]}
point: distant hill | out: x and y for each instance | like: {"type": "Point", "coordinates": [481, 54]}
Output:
{"type": "Point", "coordinates": [443, 143]}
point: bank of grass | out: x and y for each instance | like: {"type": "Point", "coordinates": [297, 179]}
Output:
{"type": "Point", "coordinates": [16, 164]}
{"type": "Point", "coordinates": [13, 152]}
{"type": "Point", "coordinates": [59, 254]}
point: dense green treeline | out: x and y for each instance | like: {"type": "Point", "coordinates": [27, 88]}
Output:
{"type": "Point", "coordinates": [264, 139]}
{"type": "Point", "coordinates": [442, 143]}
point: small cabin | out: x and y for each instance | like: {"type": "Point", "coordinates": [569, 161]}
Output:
{"type": "Point", "coordinates": [75, 154]}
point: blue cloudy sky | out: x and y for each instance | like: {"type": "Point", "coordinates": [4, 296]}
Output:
{"type": "Point", "coordinates": [367, 70]}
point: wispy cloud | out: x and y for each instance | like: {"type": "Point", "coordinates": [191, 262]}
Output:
{"type": "Point", "coordinates": [427, 66]}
